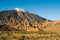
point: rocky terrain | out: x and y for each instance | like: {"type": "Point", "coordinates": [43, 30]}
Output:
{"type": "Point", "coordinates": [21, 22]}
{"type": "Point", "coordinates": [19, 19]}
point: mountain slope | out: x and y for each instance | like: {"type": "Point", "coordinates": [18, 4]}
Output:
{"type": "Point", "coordinates": [53, 26]}
{"type": "Point", "coordinates": [21, 20]}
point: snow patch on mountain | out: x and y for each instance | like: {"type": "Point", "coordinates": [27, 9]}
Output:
{"type": "Point", "coordinates": [19, 9]}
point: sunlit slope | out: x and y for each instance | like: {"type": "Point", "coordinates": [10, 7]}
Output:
{"type": "Point", "coordinates": [53, 26]}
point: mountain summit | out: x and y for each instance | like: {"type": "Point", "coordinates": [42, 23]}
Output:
{"type": "Point", "coordinates": [19, 9]}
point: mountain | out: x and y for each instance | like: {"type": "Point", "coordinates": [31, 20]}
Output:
{"type": "Point", "coordinates": [22, 20]}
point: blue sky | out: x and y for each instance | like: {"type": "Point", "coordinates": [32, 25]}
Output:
{"type": "Point", "coordinates": [49, 9]}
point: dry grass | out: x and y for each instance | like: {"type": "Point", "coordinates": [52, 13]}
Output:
{"type": "Point", "coordinates": [17, 35]}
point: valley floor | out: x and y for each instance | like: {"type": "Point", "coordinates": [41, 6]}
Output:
{"type": "Point", "coordinates": [17, 35]}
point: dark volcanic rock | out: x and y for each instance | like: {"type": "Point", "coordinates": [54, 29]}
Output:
{"type": "Point", "coordinates": [20, 20]}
